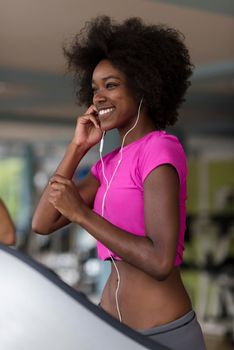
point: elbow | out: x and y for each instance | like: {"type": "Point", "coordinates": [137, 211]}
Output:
{"type": "Point", "coordinates": [162, 271]}
{"type": "Point", "coordinates": [37, 228]}
{"type": "Point", "coordinates": [163, 275]}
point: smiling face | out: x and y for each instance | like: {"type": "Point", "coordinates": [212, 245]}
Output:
{"type": "Point", "coordinates": [112, 97]}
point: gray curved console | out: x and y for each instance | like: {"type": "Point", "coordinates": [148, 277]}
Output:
{"type": "Point", "coordinates": [39, 311]}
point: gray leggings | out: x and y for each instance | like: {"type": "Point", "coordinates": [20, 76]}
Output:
{"type": "Point", "coordinates": [182, 334]}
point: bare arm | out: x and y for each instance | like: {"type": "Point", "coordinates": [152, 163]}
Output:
{"type": "Point", "coordinates": [46, 218]}
{"type": "Point", "coordinates": [7, 228]}
{"type": "Point", "coordinates": [155, 253]}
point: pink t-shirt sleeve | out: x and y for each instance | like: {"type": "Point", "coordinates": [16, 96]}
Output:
{"type": "Point", "coordinates": [95, 170]}
{"type": "Point", "coordinates": [163, 150]}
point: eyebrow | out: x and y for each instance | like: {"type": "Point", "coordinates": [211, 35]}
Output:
{"type": "Point", "coordinates": [108, 77]}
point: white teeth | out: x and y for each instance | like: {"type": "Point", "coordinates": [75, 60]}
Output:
{"type": "Point", "coordinates": [104, 111]}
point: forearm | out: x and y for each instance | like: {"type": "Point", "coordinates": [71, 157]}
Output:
{"type": "Point", "coordinates": [7, 227]}
{"type": "Point", "coordinates": [7, 235]}
{"type": "Point", "coordinates": [46, 216]}
{"type": "Point", "coordinates": [138, 251]}
{"type": "Point", "coordinates": [71, 160]}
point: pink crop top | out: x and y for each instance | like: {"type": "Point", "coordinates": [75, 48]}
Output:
{"type": "Point", "coordinates": [124, 204]}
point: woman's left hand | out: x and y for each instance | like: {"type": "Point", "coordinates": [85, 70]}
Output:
{"type": "Point", "coordinates": [65, 197]}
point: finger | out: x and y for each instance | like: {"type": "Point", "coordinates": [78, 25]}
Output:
{"type": "Point", "coordinates": [59, 179]}
{"type": "Point", "coordinates": [51, 200]}
{"type": "Point", "coordinates": [56, 204]}
{"type": "Point", "coordinates": [92, 110]}
{"type": "Point", "coordinates": [87, 118]}
{"type": "Point", "coordinates": [56, 186]}
{"type": "Point", "coordinates": [95, 121]}
{"type": "Point", "coordinates": [54, 195]}
{"type": "Point", "coordinates": [55, 200]}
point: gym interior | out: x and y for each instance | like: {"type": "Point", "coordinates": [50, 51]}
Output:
{"type": "Point", "coordinates": [38, 114]}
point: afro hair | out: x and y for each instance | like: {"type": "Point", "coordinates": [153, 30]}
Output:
{"type": "Point", "coordinates": [153, 57]}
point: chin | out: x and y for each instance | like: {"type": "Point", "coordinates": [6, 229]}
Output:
{"type": "Point", "coordinates": [107, 127]}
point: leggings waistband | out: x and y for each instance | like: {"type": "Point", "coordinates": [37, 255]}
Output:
{"type": "Point", "coordinates": [178, 323]}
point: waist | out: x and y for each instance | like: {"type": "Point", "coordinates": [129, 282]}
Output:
{"type": "Point", "coordinates": [144, 301]}
{"type": "Point", "coordinates": [134, 279]}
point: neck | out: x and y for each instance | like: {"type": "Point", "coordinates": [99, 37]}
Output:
{"type": "Point", "coordinates": [143, 127]}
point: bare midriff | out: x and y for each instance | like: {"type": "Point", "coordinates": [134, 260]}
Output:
{"type": "Point", "coordinates": [144, 301]}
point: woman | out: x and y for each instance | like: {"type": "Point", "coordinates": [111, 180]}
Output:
{"type": "Point", "coordinates": [133, 77]}
{"type": "Point", "coordinates": [7, 228]}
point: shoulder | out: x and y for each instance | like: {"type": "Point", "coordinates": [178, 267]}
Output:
{"type": "Point", "coordinates": [161, 140]}
{"type": "Point", "coordinates": [161, 148]}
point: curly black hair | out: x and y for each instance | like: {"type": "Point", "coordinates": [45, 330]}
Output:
{"type": "Point", "coordinates": [153, 57]}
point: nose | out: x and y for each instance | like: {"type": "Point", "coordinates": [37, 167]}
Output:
{"type": "Point", "coordinates": [99, 97]}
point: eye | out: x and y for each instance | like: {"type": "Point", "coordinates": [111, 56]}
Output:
{"type": "Point", "coordinates": [111, 85]}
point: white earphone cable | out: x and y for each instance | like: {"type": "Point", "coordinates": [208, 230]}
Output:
{"type": "Point", "coordinates": [104, 197]}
